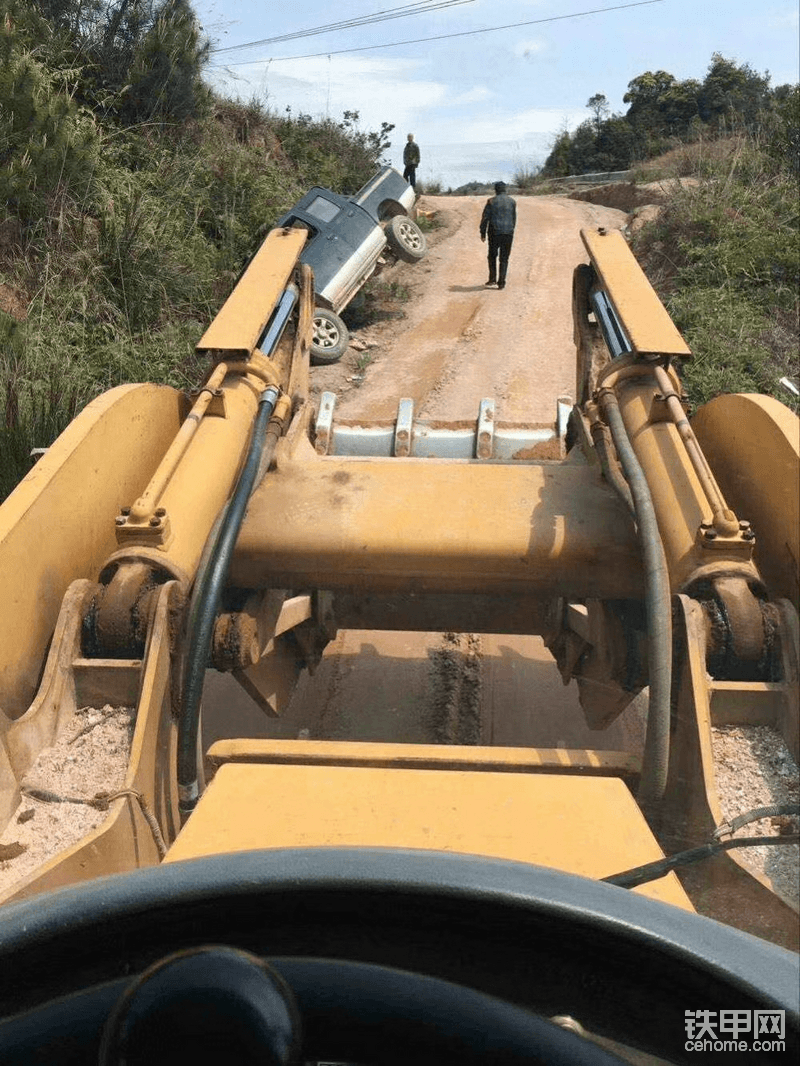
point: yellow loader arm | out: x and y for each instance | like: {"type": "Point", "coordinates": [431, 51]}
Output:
{"type": "Point", "coordinates": [241, 526]}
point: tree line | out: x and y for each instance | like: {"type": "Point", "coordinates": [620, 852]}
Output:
{"type": "Point", "coordinates": [732, 98]}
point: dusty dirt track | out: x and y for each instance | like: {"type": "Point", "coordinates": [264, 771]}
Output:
{"type": "Point", "coordinates": [458, 342]}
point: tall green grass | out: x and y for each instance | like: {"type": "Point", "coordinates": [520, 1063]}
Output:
{"type": "Point", "coordinates": [121, 271]}
{"type": "Point", "coordinates": [725, 256]}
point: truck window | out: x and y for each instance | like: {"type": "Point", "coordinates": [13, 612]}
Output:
{"type": "Point", "coordinates": [323, 209]}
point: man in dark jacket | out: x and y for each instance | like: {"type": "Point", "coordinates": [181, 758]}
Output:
{"type": "Point", "coordinates": [499, 219]}
{"type": "Point", "coordinates": [411, 161]}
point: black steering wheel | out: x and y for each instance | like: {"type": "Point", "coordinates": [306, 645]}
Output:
{"type": "Point", "coordinates": [368, 956]}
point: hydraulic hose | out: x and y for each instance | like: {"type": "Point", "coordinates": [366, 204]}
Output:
{"type": "Point", "coordinates": [205, 605]}
{"type": "Point", "coordinates": [655, 763]}
{"type": "Point", "coordinates": [608, 464]}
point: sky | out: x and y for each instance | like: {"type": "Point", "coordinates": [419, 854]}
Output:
{"type": "Point", "coordinates": [489, 102]}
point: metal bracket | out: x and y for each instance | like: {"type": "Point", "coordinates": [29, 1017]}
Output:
{"type": "Point", "coordinates": [741, 544]}
{"type": "Point", "coordinates": [484, 440]}
{"type": "Point", "coordinates": [659, 408]}
{"type": "Point", "coordinates": [404, 428]}
{"type": "Point", "coordinates": [217, 404]}
{"type": "Point", "coordinates": [323, 428]}
{"type": "Point", "coordinates": [155, 531]}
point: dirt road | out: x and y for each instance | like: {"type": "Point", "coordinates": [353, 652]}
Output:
{"type": "Point", "coordinates": [458, 342]}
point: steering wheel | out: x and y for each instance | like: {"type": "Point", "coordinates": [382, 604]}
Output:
{"type": "Point", "coordinates": [367, 956]}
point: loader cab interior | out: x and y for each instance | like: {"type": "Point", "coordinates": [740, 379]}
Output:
{"type": "Point", "coordinates": [359, 956]}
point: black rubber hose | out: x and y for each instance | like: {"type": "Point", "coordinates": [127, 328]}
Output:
{"type": "Point", "coordinates": [206, 606]}
{"type": "Point", "coordinates": [609, 467]}
{"type": "Point", "coordinates": [655, 763]}
{"type": "Point", "coordinates": [652, 871]}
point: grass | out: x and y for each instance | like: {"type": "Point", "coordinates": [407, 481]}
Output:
{"type": "Point", "coordinates": [725, 258]}
{"type": "Point", "coordinates": [699, 158]}
{"type": "Point", "coordinates": [429, 224]}
{"type": "Point", "coordinates": [363, 361]}
{"type": "Point", "coordinates": [391, 292]}
{"type": "Point", "coordinates": [430, 188]}
{"type": "Point", "coordinates": [525, 178]}
{"type": "Point", "coordinates": [113, 280]}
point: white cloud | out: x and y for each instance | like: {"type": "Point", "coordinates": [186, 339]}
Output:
{"type": "Point", "coordinates": [527, 49]}
{"type": "Point", "coordinates": [471, 96]}
{"type": "Point", "coordinates": [381, 89]}
{"type": "Point", "coordinates": [465, 131]}
{"type": "Point", "coordinates": [789, 19]}
{"type": "Point", "coordinates": [513, 125]}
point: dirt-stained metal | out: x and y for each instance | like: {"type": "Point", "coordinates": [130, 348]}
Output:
{"type": "Point", "coordinates": [65, 507]}
{"type": "Point", "coordinates": [346, 524]}
{"type": "Point", "coordinates": [723, 887]}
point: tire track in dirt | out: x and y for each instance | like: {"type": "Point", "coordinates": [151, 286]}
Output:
{"type": "Point", "coordinates": [455, 716]}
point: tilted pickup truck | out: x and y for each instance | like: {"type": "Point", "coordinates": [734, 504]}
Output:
{"type": "Point", "coordinates": [349, 238]}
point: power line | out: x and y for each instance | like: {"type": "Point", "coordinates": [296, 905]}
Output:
{"type": "Point", "coordinates": [463, 33]}
{"type": "Point", "coordinates": [421, 7]}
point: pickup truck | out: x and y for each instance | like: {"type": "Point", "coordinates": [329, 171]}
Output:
{"type": "Point", "coordinates": [349, 240]}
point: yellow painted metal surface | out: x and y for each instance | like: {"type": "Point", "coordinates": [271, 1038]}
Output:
{"type": "Point", "coordinates": [753, 445]}
{"type": "Point", "coordinates": [425, 756]}
{"type": "Point", "coordinates": [648, 326]}
{"type": "Point", "coordinates": [722, 887]}
{"type": "Point", "coordinates": [124, 840]}
{"type": "Point", "coordinates": [587, 826]}
{"type": "Point", "coordinates": [678, 497]}
{"type": "Point", "coordinates": [242, 318]}
{"type": "Point", "coordinates": [145, 506]}
{"type": "Point", "coordinates": [433, 525]}
{"type": "Point", "coordinates": [58, 524]}
{"type": "Point", "coordinates": [198, 487]}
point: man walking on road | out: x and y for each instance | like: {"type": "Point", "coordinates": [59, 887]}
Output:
{"type": "Point", "coordinates": [499, 218]}
{"type": "Point", "coordinates": [411, 161]}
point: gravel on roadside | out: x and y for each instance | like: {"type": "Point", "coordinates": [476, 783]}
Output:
{"type": "Point", "coordinates": [754, 768]}
{"type": "Point", "coordinates": [89, 756]}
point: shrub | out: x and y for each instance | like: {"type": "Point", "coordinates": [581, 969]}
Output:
{"type": "Point", "coordinates": [725, 257]}
{"type": "Point", "coordinates": [48, 144]}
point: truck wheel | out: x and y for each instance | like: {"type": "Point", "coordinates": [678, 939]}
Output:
{"type": "Point", "coordinates": [329, 338]}
{"type": "Point", "coordinates": [405, 239]}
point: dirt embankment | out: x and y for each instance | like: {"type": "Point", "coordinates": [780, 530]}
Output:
{"type": "Point", "coordinates": [628, 196]}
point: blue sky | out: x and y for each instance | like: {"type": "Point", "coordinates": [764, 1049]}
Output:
{"type": "Point", "coordinates": [486, 104]}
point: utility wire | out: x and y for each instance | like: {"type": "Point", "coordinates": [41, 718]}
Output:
{"type": "Point", "coordinates": [463, 33]}
{"type": "Point", "coordinates": [421, 7]}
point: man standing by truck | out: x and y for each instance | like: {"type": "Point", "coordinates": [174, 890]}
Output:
{"type": "Point", "coordinates": [411, 161]}
{"type": "Point", "coordinates": [499, 219]}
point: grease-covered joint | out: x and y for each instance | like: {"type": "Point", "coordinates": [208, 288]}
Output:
{"type": "Point", "coordinates": [235, 644]}
{"type": "Point", "coordinates": [117, 618]}
{"type": "Point", "coordinates": [742, 629]}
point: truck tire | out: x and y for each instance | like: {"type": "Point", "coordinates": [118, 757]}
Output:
{"type": "Point", "coordinates": [329, 338]}
{"type": "Point", "coordinates": [405, 239]}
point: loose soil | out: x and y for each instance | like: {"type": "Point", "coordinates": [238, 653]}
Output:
{"type": "Point", "coordinates": [459, 341]}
